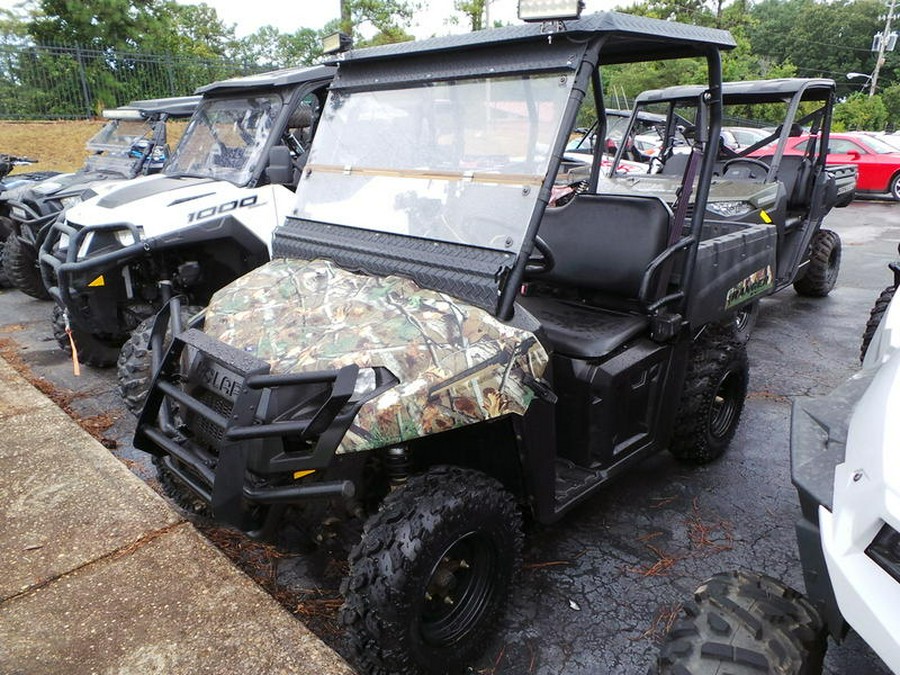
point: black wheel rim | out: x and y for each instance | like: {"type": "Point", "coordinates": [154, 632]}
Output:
{"type": "Point", "coordinates": [744, 315]}
{"type": "Point", "coordinates": [459, 590]}
{"type": "Point", "coordinates": [724, 408]}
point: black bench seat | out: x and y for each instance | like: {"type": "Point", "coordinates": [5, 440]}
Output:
{"type": "Point", "coordinates": [581, 331]}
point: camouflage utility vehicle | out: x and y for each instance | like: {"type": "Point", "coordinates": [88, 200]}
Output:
{"type": "Point", "coordinates": [758, 183]}
{"type": "Point", "coordinates": [206, 219]}
{"type": "Point", "coordinates": [132, 143]}
{"type": "Point", "coordinates": [437, 350]}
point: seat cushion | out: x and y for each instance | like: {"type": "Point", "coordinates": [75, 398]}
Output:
{"type": "Point", "coordinates": [581, 331]}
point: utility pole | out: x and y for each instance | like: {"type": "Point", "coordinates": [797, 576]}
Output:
{"type": "Point", "coordinates": [882, 45]}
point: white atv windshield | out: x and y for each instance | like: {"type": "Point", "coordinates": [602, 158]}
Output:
{"type": "Point", "coordinates": [225, 139]}
{"type": "Point", "coordinates": [459, 161]}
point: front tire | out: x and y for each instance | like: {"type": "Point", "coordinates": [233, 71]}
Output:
{"type": "Point", "coordinates": [92, 351]}
{"type": "Point", "coordinates": [744, 623]}
{"type": "Point", "coordinates": [21, 269]}
{"type": "Point", "coordinates": [429, 580]}
{"type": "Point", "coordinates": [823, 267]}
{"type": "Point", "coordinates": [714, 390]}
{"type": "Point", "coordinates": [875, 314]}
{"type": "Point", "coordinates": [134, 366]}
{"type": "Point", "coordinates": [894, 187]}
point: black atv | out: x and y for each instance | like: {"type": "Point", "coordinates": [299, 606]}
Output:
{"type": "Point", "coordinates": [437, 351]}
{"type": "Point", "coordinates": [759, 183]}
{"type": "Point", "coordinates": [7, 182]}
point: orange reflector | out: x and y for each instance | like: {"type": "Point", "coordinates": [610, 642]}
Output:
{"type": "Point", "coordinates": [301, 474]}
{"type": "Point", "coordinates": [99, 281]}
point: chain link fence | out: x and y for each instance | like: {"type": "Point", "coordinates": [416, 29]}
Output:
{"type": "Point", "coordinates": [52, 82]}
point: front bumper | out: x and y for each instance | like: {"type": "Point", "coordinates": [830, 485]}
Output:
{"type": "Point", "coordinates": [241, 438]}
{"type": "Point", "coordinates": [818, 445]}
{"type": "Point", "coordinates": [91, 289]}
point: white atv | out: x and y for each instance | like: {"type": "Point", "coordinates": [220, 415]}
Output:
{"type": "Point", "coordinates": [205, 220]}
{"type": "Point", "coordinates": [846, 468]}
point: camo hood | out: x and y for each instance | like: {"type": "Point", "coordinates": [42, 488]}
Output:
{"type": "Point", "coordinates": [456, 364]}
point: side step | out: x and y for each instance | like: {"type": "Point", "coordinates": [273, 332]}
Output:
{"type": "Point", "coordinates": [573, 483]}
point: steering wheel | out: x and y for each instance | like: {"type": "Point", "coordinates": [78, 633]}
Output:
{"type": "Point", "coordinates": [746, 160]}
{"type": "Point", "coordinates": [544, 262]}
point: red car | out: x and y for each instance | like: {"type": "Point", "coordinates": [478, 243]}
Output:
{"type": "Point", "coordinates": [877, 162]}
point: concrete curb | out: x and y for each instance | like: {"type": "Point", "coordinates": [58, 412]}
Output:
{"type": "Point", "coordinates": [101, 575]}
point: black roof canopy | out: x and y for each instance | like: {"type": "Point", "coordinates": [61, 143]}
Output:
{"type": "Point", "coordinates": [270, 80]}
{"type": "Point", "coordinates": [750, 91]}
{"type": "Point", "coordinates": [174, 106]}
{"type": "Point", "coordinates": [628, 38]}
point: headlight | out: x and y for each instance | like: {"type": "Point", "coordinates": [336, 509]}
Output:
{"type": "Point", "coordinates": [729, 209]}
{"type": "Point", "coordinates": [885, 551]}
{"type": "Point", "coordinates": [71, 200]}
{"type": "Point", "coordinates": [125, 237]}
{"type": "Point", "coordinates": [47, 187]}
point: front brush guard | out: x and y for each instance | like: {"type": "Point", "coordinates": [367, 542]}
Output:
{"type": "Point", "coordinates": [221, 478]}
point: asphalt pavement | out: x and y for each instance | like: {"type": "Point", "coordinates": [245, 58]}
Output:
{"type": "Point", "coordinates": [599, 588]}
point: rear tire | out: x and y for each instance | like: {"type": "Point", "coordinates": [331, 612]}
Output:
{"type": "Point", "coordinates": [875, 315]}
{"type": "Point", "coordinates": [824, 265]}
{"type": "Point", "coordinates": [429, 580]}
{"type": "Point", "coordinates": [92, 351]}
{"type": "Point", "coordinates": [745, 320]}
{"type": "Point", "coordinates": [134, 363]}
{"type": "Point", "coordinates": [21, 269]}
{"type": "Point", "coordinates": [742, 623]}
{"type": "Point", "coordinates": [714, 390]}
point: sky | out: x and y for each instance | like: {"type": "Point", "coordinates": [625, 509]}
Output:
{"type": "Point", "coordinates": [249, 15]}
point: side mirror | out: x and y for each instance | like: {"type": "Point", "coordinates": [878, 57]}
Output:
{"type": "Point", "coordinates": [854, 154]}
{"type": "Point", "coordinates": [280, 170]}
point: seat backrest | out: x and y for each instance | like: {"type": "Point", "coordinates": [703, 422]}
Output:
{"type": "Point", "coordinates": [605, 242]}
{"type": "Point", "coordinates": [796, 172]}
{"type": "Point", "coordinates": [675, 165]}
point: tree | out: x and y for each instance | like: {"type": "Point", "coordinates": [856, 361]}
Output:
{"type": "Point", "coordinates": [386, 16]}
{"type": "Point", "coordinates": [890, 96]}
{"type": "Point", "coordinates": [859, 111]}
{"type": "Point", "coordinates": [188, 30]}
{"type": "Point", "coordinates": [269, 48]}
{"type": "Point", "coordinates": [99, 24]}
{"type": "Point", "coordinates": [474, 11]}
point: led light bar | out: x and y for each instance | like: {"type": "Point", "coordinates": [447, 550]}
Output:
{"type": "Point", "coordinates": [123, 114]}
{"type": "Point", "coordinates": [336, 42]}
{"type": "Point", "coordinates": [550, 10]}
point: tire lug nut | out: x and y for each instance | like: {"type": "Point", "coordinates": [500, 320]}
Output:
{"type": "Point", "coordinates": [448, 600]}
{"type": "Point", "coordinates": [463, 565]}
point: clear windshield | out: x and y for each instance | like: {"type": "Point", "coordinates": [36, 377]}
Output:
{"type": "Point", "coordinates": [120, 147]}
{"type": "Point", "coordinates": [225, 139]}
{"type": "Point", "coordinates": [459, 161]}
{"type": "Point", "coordinates": [120, 135]}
